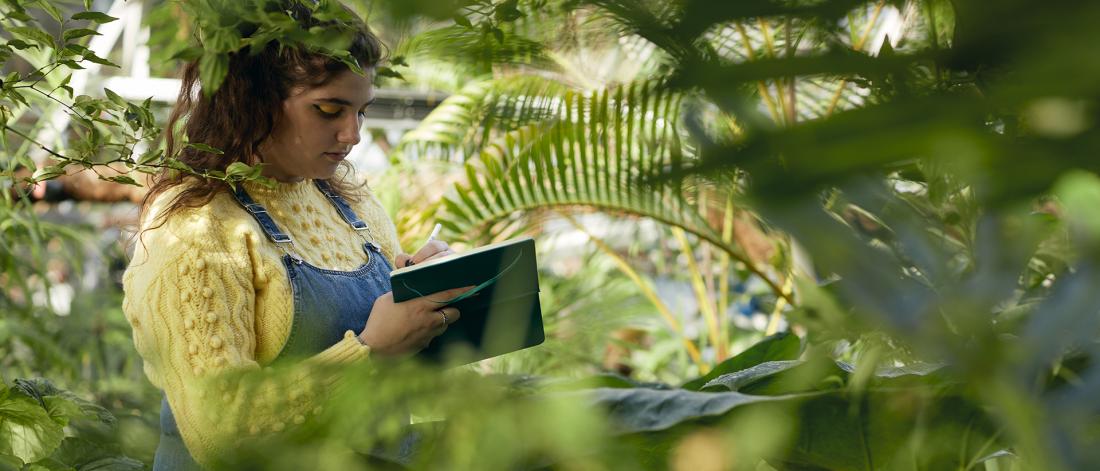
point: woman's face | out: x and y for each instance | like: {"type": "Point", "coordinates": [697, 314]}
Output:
{"type": "Point", "coordinates": [319, 127]}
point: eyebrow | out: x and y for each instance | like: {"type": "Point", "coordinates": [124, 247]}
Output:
{"type": "Point", "coordinates": [341, 101]}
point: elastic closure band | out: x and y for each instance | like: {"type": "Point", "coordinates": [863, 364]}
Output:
{"type": "Point", "coordinates": [477, 289]}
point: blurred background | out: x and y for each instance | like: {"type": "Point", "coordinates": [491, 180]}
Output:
{"type": "Point", "coordinates": [772, 234]}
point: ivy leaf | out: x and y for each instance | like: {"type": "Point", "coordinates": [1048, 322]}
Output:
{"type": "Point", "coordinates": [78, 33]}
{"type": "Point", "coordinates": [94, 16]}
{"type": "Point", "coordinates": [26, 431]}
{"type": "Point", "coordinates": [212, 70]}
{"type": "Point", "coordinates": [204, 148]}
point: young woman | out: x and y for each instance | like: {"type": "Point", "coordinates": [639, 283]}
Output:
{"type": "Point", "coordinates": [226, 281]}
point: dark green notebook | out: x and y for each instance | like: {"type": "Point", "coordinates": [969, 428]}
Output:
{"type": "Point", "coordinates": [501, 315]}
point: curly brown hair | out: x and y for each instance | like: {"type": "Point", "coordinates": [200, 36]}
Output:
{"type": "Point", "coordinates": [245, 109]}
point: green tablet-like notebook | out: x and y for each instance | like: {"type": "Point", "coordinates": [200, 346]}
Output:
{"type": "Point", "coordinates": [501, 315]}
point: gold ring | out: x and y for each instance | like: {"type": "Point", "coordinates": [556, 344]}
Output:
{"type": "Point", "coordinates": [444, 314]}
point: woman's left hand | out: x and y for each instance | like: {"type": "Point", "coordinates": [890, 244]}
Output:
{"type": "Point", "coordinates": [432, 250]}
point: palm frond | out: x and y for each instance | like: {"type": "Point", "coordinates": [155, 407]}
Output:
{"type": "Point", "coordinates": [466, 121]}
{"type": "Point", "coordinates": [476, 49]}
{"type": "Point", "coordinates": [605, 151]}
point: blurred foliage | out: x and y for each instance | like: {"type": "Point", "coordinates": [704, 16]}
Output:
{"type": "Point", "coordinates": [931, 157]}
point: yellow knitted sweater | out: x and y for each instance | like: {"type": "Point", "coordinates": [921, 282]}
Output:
{"type": "Point", "coordinates": [210, 303]}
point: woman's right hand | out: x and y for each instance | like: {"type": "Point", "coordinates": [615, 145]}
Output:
{"type": "Point", "coordinates": [407, 327]}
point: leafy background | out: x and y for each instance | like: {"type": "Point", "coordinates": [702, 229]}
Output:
{"type": "Point", "coordinates": [775, 235]}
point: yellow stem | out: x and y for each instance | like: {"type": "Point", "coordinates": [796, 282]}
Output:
{"type": "Point", "coordinates": [761, 87]}
{"type": "Point", "coordinates": [770, 45]}
{"type": "Point", "coordinates": [724, 281]}
{"type": "Point", "coordinates": [857, 46]}
{"type": "Point", "coordinates": [647, 291]}
{"type": "Point", "coordinates": [780, 303]}
{"type": "Point", "coordinates": [706, 305]}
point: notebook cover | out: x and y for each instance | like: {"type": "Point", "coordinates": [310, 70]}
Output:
{"type": "Point", "coordinates": [504, 316]}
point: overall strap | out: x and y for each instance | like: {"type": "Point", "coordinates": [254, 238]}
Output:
{"type": "Point", "coordinates": [260, 213]}
{"type": "Point", "coordinates": [341, 206]}
{"type": "Point", "coordinates": [280, 238]}
{"type": "Point", "coordinates": [349, 216]}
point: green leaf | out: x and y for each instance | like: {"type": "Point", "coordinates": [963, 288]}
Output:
{"type": "Point", "coordinates": [94, 16]}
{"type": "Point", "coordinates": [92, 57]}
{"type": "Point", "coordinates": [20, 44]}
{"type": "Point", "coordinates": [10, 463]}
{"type": "Point", "coordinates": [150, 156]}
{"type": "Point", "coordinates": [114, 97]}
{"type": "Point", "coordinates": [20, 15]}
{"type": "Point", "coordinates": [734, 381]}
{"type": "Point", "coordinates": [781, 346]}
{"type": "Point", "coordinates": [26, 430]}
{"type": "Point", "coordinates": [122, 179]}
{"type": "Point", "coordinates": [204, 148]}
{"type": "Point", "coordinates": [212, 70]}
{"type": "Point", "coordinates": [388, 72]}
{"type": "Point", "coordinates": [50, 10]}
{"type": "Point", "coordinates": [238, 169]}
{"type": "Point", "coordinates": [72, 34]}
{"type": "Point", "coordinates": [461, 20]}
{"type": "Point", "coordinates": [33, 35]}
{"type": "Point", "coordinates": [634, 410]}
{"type": "Point", "coordinates": [188, 54]}
{"type": "Point", "coordinates": [61, 410]}
{"type": "Point", "coordinates": [48, 173]}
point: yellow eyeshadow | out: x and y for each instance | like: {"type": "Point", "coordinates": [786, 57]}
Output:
{"type": "Point", "coordinates": [329, 109]}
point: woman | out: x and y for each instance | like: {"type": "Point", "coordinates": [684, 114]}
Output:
{"type": "Point", "coordinates": [226, 280]}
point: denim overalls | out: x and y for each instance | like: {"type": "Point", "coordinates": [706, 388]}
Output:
{"type": "Point", "coordinates": [327, 303]}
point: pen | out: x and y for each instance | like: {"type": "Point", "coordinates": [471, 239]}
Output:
{"type": "Point", "coordinates": [435, 232]}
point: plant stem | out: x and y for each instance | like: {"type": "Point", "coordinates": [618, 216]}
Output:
{"type": "Point", "coordinates": [857, 46]}
{"type": "Point", "coordinates": [706, 305]}
{"type": "Point", "coordinates": [780, 303]}
{"type": "Point", "coordinates": [761, 87]}
{"type": "Point", "coordinates": [724, 277]}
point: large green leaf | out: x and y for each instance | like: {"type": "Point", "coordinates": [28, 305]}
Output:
{"type": "Point", "coordinates": [779, 347]}
{"type": "Point", "coordinates": [738, 379]}
{"type": "Point", "coordinates": [833, 431]}
{"type": "Point", "coordinates": [26, 430]}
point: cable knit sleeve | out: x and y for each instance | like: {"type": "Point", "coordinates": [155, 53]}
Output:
{"type": "Point", "coordinates": [190, 297]}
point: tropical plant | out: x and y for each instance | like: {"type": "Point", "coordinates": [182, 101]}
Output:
{"type": "Point", "coordinates": [926, 157]}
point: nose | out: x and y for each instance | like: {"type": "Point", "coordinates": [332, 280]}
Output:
{"type": "Point", "coordinates": [349, 130]}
